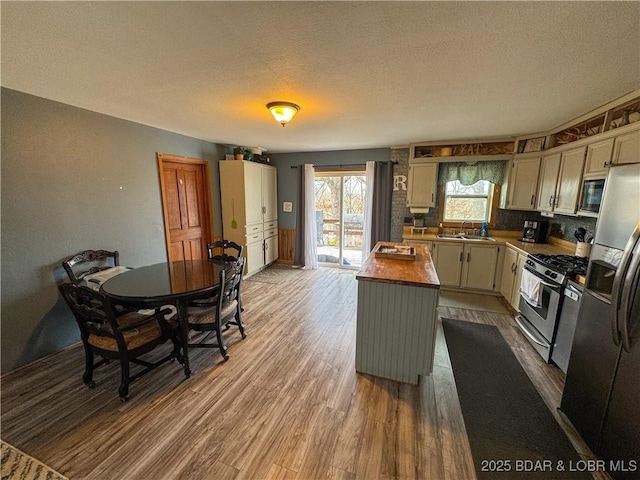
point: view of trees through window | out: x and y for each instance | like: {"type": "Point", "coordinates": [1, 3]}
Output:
{"type": "Point", "coordinates": [340, 217]}
{"type": "Point", "coordinates": [328, 193]}
{"type": "Point", "coordinates": [467, 202]}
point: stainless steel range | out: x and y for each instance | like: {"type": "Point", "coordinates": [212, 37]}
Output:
{"type": "Point", "coordinates": [538, 320]}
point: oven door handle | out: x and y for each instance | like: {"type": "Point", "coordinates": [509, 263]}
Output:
{"type": "Point", "coordinates": [528, 333]}
{"type": "Point", "coordinates": [545, 282]}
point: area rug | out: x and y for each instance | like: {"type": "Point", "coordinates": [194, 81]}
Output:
{"type": "Point", "coordinates": [511, 431]}
{"type": "Point", "coordinates": [472, 301]}
{"type": "Point", "coordinates": [18, 465]}
{"type": "Point", "coordinates": [274, 274]}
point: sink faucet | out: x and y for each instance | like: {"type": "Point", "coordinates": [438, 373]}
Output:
{"type": "Point", "coordinates": [462, 226]}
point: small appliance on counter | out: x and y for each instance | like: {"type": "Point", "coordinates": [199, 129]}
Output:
{"type": "Point", "coordinates": [535, 231]}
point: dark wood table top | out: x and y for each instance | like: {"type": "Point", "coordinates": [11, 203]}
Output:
{"type": "Point", "coordinates": [165, 281]}
{"type": "Point", "coordinates": [418, 273]}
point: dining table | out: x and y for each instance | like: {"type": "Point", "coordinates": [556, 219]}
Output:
{"type": "Point", "coordinates": [168, 283]}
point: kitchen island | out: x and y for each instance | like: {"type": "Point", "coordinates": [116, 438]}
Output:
{"type": "Point", "coordinates": [396, 319]}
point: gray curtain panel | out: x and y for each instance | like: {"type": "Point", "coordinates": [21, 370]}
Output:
{"type": "Point", "coordinates": [382, 192]}
{"type": "Point", "coordinates": [298, 257]}
{"type": "Point", "coordinates": [490, 170]}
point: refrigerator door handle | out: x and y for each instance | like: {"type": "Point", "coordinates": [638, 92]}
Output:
{"type": "Point", "coordinates": [625, 304]}
{"type": "Point", "coordinates": [618, 280]}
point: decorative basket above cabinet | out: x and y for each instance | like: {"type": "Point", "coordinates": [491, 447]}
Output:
{"type": "Point", "coordinates": [462, 151]}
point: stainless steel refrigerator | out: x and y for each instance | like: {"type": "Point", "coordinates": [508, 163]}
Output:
{"type": "Point", "coordinates": [601, 396]}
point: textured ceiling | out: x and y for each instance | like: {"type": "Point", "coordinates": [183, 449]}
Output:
{"type": "Point", "coordinates": [366, 74]}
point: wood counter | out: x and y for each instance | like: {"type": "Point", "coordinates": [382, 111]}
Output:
{"type": "Point", "coordinates": [396, 319]}
{"type": "Point", "coordinates": [420, 273]}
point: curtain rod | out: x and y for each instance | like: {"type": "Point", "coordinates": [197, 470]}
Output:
{"type": "Point", "coordinates": [344, 165]}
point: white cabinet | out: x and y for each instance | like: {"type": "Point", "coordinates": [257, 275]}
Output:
{"type": "Point", "coordinates": [626, 148]}
{"type": "Point", "coordinates": [466, 265]}
{"type": "Point", "coordinates": [479, 266]}
{"type": "Point", "coordinates": [549, 168]}
{"type": "Point", "coordinates": [250, 210]}
{"type": "Point", "coordinates": [598, 158]}
{"type": "Point", "coordinates": [448, 261]}
{"type": "Point", "coordinates": [521, 184]}
{"type": "Point", "coordinates": [421, 185]}
{"type": "Point", "coordinates": [512, 276]}
{"type": "Point", "coordinates": [569, 181]}
{"type": "Point", "coordinates": [560, 181]}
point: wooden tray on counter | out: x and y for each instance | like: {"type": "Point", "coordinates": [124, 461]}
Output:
{"type": "Point", "coordinates": [399, 252]}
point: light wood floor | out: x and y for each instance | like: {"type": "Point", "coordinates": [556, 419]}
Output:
{"type": "Point", "coordinates": [287, 404]}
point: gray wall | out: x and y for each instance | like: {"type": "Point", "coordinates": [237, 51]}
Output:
{"type": "Point", "coordinates": [288, 179]}
{"type": "Point", "coordinates": [72, 180]}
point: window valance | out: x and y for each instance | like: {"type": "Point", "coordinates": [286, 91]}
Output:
{"type": "Point", "coordinates": [492, 171]}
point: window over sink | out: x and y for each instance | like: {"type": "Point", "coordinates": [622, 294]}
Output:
{"type": "Point", "coordinates": [468, 203]}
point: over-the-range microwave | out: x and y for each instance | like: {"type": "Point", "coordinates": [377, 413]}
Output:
{"type": "Point", "coordinates": [592, 190]}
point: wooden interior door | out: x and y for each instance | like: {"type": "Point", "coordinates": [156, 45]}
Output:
{"type": "Point", "coordinates": [186, 204]}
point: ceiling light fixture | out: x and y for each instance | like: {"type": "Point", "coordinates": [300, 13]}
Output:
{"type": "Point", "coordinates": [283, 112]}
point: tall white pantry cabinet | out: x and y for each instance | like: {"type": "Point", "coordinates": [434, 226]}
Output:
{"type": "Point", "coordinates": [250, 210]}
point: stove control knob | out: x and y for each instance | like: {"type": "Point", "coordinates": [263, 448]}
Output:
{"type": "Point", "coordinates": [547, 272]}
{"type": "Point", "coordinates": [554, 275]}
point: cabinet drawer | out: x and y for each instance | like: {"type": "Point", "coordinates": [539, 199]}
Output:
{"type": "Point", "coordinates": [257, 227]}
{"type": "Point", "coordinates": [270, 225]}
{"type": "Point", "coordinates": [255, 237]}
{"type": "Point", "coordinates": [270, 233]}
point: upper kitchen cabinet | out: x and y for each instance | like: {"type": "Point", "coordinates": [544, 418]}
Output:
{"type": "Point", "coordinates": [621, 145]}
{"type": "Point", "coordinates": [549, 168]}
{"type": "Point", "coordinates": [521, 184]}
{"type": "Point", "coordinates": [569, 181]}
{"type": "Point", "coordinates": [560, 180]}
{"type": "Point", "coordinates": [422, 184]}
{"type": "Point", "coordinates": [626, 147]}
{"type": "Point", "coordinates": [598, 158]}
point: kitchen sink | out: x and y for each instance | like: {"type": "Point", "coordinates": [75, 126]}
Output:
{"type": "Point", "coordinates": [464, 236]}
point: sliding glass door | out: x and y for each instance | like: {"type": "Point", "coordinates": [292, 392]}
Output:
{"type": "Point", "coordinates": [340, 217]}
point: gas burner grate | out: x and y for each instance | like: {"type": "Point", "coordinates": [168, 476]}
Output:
{"type": "Point", "coordinates": [565, 264]}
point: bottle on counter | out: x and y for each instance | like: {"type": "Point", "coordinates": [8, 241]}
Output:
{"type": "Point", "coordinates": [440, 229]}
{"type": "Point", "coordinates": [484, 232]}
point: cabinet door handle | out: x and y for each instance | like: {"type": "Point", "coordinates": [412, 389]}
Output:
{"type": "Point", "coordinates": [432, 197]}
{"type": "Point", "coordinates": [461, 256]}
{"type": "Point", "coordinates": [551, 200]}
{"type": "Point", "coordinates": [468, 257]}
{"type": "Point", "coordinates": [532, 199]}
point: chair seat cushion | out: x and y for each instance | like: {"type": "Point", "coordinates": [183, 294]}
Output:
{"type": "Point", "coordinates": [207, 315]}
{"type": "Point", "coordinates": [141, 335]}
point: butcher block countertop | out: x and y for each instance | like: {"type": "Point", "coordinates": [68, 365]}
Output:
{"type": "Point", "coordinates": [418, 273]}
{"type": "Point", "coordinates": [556, 246]}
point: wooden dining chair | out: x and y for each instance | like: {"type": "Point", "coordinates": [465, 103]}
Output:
{"type": "Point", "coordinates": [220, 250]}
{"type": "Point", "coordinates": [109, 334]}
{"type": "Point", "coordinates": [224, 312]}
{"type": "Point", "coordinates": [88, 262]}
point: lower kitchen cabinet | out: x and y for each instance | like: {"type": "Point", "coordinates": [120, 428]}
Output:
{"type": "Point", "coordinates": [512, 275]}
{"type": "Point", "coordinates": [467, 265]}
{"type": "Point", "coordinates": [448, 260]}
